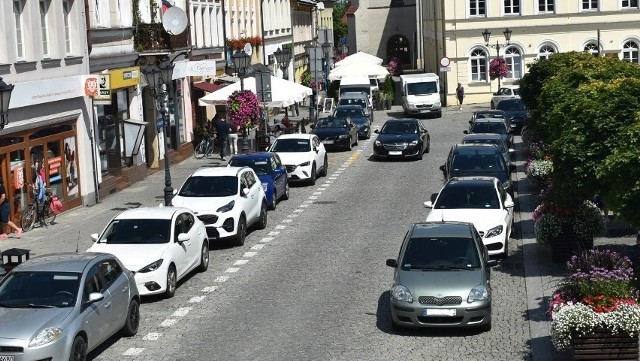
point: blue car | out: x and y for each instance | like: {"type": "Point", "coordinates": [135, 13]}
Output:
{"type": "Point", "coordinates": [270, 170]}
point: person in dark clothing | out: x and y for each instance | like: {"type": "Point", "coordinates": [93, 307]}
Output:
{"type": "Point", "coordinates": [222, 133]}
{"type": "Point", "coordinates": [4, 213]}
{"type": "Point", "coordinates": [460, 94]}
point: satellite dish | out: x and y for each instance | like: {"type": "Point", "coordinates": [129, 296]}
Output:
{"type": "Point", "coordinates": [248, 49]}
{"type": "Point", "coordinates": [174, 21]}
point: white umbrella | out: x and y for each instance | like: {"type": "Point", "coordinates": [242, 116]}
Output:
{"type": "Point", "coordinates": [283, 92]}
{"type": "Point", "coordinates": [359, 57]}
{"type": "Point", "coordinates": [368, 69]}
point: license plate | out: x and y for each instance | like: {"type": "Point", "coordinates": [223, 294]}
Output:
{"type": "Point", "coordinates": [327, 142]}
{"type": "Point", "coordinates": [395, 152]}
{"type": "Point", "coordinates": [439, 312]}
{"type": "Point", "coordinates": [6, 358]}
{"type": "Point", "coordinates": [425, 111]}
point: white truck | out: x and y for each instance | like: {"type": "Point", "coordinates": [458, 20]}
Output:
{"type": "Point", "coordinates": [421, 94]}
{"type": "Point", "coordinates": [355, 83]}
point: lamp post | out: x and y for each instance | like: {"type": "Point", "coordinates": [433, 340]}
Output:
{"type": "Point", "coordinates": [5, 97]}
{"type": "Point", "coordinates": [326, 48]}
{"type": "Point", "coordinates": [283, 57]}
{"type": "Point", "coordinates": [507, 36]}
{"type": "Point", "coordinates": [311, 53]}
{"type": "Point", "coordinates": [241, 63]}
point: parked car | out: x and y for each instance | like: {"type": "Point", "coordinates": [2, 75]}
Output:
{"type": "Point", "coordinates": [505, 92]}
{"type": "Point", "coordinates": [336, 133]}
{"type": "Point", "coordinates": [62, 306]}
{"type": "Point", "coordinates": [303, 155]}
{"type": "Point", "coordinates": [271, 172]}
{"type": "Point", "coordinates": [160, 245]}
{"type": "Point", "coordinates": [481, 201]}
{"type": "Point", "coordinates": [490, 113]}
{"type": "Point", "coordinates": [516, 112]}
{"type": "Point", "coordinates": [228, 200]}
{"type": "Point", "coordinates": [401, 138]}
{"type": "Point", "coordinates": [492, 125]}
{"type": "Point", "coordinates": [490, 138]}
{"type": "Point", "coordinates": [477, 160]}
{"type": "Point", "coordinates": [358, 118]}
{"type": "Point", "coordinates": [358, 98]}
{"type": "Point", "coordinates": [441, 278]}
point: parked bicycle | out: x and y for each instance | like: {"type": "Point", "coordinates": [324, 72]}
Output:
{"type": "Point", "coordinates": [38, 212]}
{"type": "Point", "coordinates": [204, 148]}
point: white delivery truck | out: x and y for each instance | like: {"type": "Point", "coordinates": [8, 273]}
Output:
{"type": "Point", "coordinates": [421, 94]}
{"type": "Point", "coordinates": [356, 83]}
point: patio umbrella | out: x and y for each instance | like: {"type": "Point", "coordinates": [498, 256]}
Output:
{"type": "Point", "coordinates": [283, 92]}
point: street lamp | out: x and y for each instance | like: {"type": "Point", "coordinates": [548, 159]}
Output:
{"type": "Point", "coordinates": [326, 47]}
{"type": "Point", "coordinates": [241, 63]}
{"type": "Point", "coordinates": [507, 36]}
{"type": "Point", "coordinates": [163, 69]}
{"type": "Point", "coordinates": [311, 53]}
{"type": "Point", "coordinates": [283, 57]}
{"type": "Point", "coordinates": [5, 97]}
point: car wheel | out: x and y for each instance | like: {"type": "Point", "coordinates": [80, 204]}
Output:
{"type": "Point", "coordinates": [420, 154]}
{"type": "Point", "coordinates": [285, 196]}
{"type": "Point", "coordinates": [262, 221]}
{"type": "Point", "coordinates": [274, 200]}
{"type": "Point", "coordinates": [356, 140]}
{"type": "Point", "coordinates": [132, 322]}
{"type": "Point", "coordinates": [396, 327]}
{"type": "Point", "coordinates": [493, 106]}
{"type": "Point", "coordinates": [78, 349]}
{"type": "Point", "coordinates": [204, 256]}
{"type": "Point", "coordinates": [428, 145]}
{"type": "Point", "coordinates": [325, 167]}
{"type": "Point", "coordinates": [486, 327]}
{"type": "Point", "coordinates": [312, 176]}
{"type": "Point", "coordinates": [505, 254]}
{"type": "Point", "coordinates": [172, 281]}
{"type": "Point", "coordinates": [242, 232]}
{"type": "Point", "coordinates": [350, 144]}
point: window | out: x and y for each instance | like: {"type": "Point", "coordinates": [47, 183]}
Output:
{"type": "Point", "coordinates": [44, 8]}
{"type": "Point", "coordinates": [66, 10]}
{"type": "Point", "coordinates": [589, 4]}
{"type": "Point", "coordinates": [592, 48]}
{"type": "Point", "coordinates": [514, 62]}
{"type": "Point", "coordinates": [629, 4]}
{"type": "Point", "coordinates": [478, 61]}
{"type": "Point", "coordinates": [477, 8]}
{"type": "Point", "coordinates": [630, 51]}
{"type": "Point", "coordinates": [545, 51]}
{"type": "Point", "coordinates": [512, 7]}
{"type": "Point", "coordinates": [110, 270]}
{"type": "Point", "coordinates": [546, 6]}
{"type": "Point", "coordinates": [17, 15]}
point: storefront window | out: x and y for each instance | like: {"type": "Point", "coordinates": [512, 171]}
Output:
{"type": "Point", "coordinates": [55, 168]}
{"type": "Point", "coordinates": [110, 131]}
{"type": "Point", "coordinates": [17, 181]}
{"type": "Point", "coordinates": [71, 166]}
{"type": "Point", "coordinates": [176, 116]}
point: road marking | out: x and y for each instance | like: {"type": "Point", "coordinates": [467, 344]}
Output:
{"type": "Point", "coordinates": [307, 202]}
{"type": "Point", "coordinates": [197, 299]}
{"type": "Point", "coordinates": [313, 197]}
{"type": "Point", "coordinates": [240, 262]}
{"type": "Point", "coordinates": [287, 220]}
{"type": "Point", "coordinates": [181, 312]}
{"type": "Point", "coordinates": [257, 247]}
{"type": "Point", "coordinates": [232, 270]}
{"type": "Point", "coordinates": [322, 189]}
{"type": "Point", "coordinates": [360, 150]}
{"type": "Point", "coordinates": [342, 168]}
{"type": "Point", "coordinates": [273, 233]}
{"type": "Point", "coordinates": [294, 215]}
{"type": "Point", "coordinates": [280, 226]}
{"type": "Point", "coordinates": [327, 183]}
{"type": "Point", "coordinates": [268, 239]}
{"type": "Point", "coordinates": [333, 178]}
{"type": "Point", "coordinates": [133, 351]}
{"type": "Point", "coordinates": [169, 322]}
{"type": "Point", "coordinates": [221, 279]}
{"type": "Point", "coordinates": [251, 254]}
{"type": "Point", "coordinates": [299, 210]}
{"type": "Point", "coordinates": [317, 193]}
{"type": "Point", "coordinates": [210, 289]}
{"type": "Point", "coordinates": [303, 206]}
{"type": "Point", "coordinates": [152, 336]}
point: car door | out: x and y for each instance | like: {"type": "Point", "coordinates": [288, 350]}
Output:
{"type": "Point", "coordinates": [318, 152]}
{"type": "Point", "coordinates": [255, 194]}
{"type": "Point", "coordinates": [180, 253]}
{"type": "Point", "coordinates": [117, 285]}
{"type": "Point", "coordinates": [97, 316]}
{"type": "Point", "coordinates": [195, 236]}
{"type": "Point", "coordinates": [279, 175]}
{"type": "Point", "coordinates": [424, 136]}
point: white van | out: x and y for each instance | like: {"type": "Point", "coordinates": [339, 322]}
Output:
{"type": "Point", "coordinates": [421, 94]}
{"type": "Point", "coordinates": [355, 83]}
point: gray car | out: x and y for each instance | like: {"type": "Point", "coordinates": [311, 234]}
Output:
{"type": "Point", "coordinates": [441, 278]}
{"type": "Point", "coordinates": [62, 306]}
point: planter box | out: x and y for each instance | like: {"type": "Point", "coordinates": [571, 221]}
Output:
{"type": "Point", "coordinates": [566, 245]}
{"type": "Point", "coordinates": [601, 344]}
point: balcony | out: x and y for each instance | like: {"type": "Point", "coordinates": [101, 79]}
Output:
{"type": "Point", "coordinates": [153, 38]}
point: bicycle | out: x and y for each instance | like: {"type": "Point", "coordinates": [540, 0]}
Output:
{"type": "Point", "coordinates": [38, 211]}
{"type": "Point", "coordinates": [204, 148]}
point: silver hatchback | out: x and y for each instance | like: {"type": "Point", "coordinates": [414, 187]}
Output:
{"type": "Point", "coordinates": [61, 306]}
{"type": "Point", "coordinates": [441, 278]}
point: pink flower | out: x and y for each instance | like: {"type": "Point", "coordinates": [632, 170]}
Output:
{"type": "Point", "coordinates": [498, 68]}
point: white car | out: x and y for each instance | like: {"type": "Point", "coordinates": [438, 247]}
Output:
{"type": "Point", "coordinates": [505, 92]}
{"type": "Point", "coordinates": [228, 200]}
{"type": "Point", "coordinates": [304, 156]}
{"type": "Point", "coordinates": [481, 201]}
{"type": "Point", "coordinates": [159, 245]}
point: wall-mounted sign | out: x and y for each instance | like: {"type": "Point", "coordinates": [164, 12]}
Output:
{"type": "Point", "coordinates": [124, 77]}
{"type": "Point", "coordinates": [185, 68]}
{"type": "Point", "coordinates": [104, 90]}
{"type": "Point", "coordinates": [46, 90]}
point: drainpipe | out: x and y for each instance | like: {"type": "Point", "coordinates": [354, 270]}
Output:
{"type": "Point", "coordinates": [88, 25]}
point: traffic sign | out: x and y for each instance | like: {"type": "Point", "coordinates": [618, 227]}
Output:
{"type": "Point", "coordinates": [444, 62]}
{"type": "Point", "coordinates": [445, 69]}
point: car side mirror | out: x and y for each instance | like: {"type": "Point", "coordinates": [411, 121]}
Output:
{"type": "Point", "coordinates": [471, 122]}
{"type": "Point", "coordinates": [509, 203]}
{"type": "Point", "coordinates": [392, 263]}
{"type": "Point", "coordinates": [376, 131]}
{"type": "Point", "coordinates": [95, 297]}
{"type": "Point", "coordinates": [94, 237]}
{"type": "Point", "coordinates": [433, 197]}
{"type": "Point", "coordinates": [465, 131]}
{"type": "Point", "coordinates": [492, 262]}
{"type": "Point", "coordinates": [495, 93]}
{"type": "Point", "coordinates": [245, 191]}
{"type": "Point", "coordinates": [443, 168]}
{"type": "Point", "coordinates": [428, 204]}
{"type": "Point", "coordinates": [183, 237]}
{"type": "Point", "coordinates": [312, 126]}
{"type": "Point", "coordinates": [175, 191]}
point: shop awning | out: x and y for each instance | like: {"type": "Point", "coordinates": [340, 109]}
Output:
{"type": "Point", "coordinates": [208, 87]}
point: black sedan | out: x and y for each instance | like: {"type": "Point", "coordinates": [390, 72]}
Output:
{"type": "Point", "coordinates": [516, 112]}
{"type": "Point", "coordinates": [401, 138]}
{"type": "Point", "coordinates": [492, 125]}
{"type": "Point", "coordinates": [336, 133]}
{"type": "Point", "coordinates": [490, 113]}
{"type": "Point", "coordinates": [357, 116]}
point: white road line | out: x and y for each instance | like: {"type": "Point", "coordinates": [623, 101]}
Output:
{"type": "Point", "coordinates": [294, 215]}
{"type": "Point", "coordinates": [197, 299]}
{"type": "Point", "coordinates": [181, 312]}
{"type": "Point", "coordinates": [133, 351]}
{"type": "Point", "coordinates": [299, 210]}
{"type": "Point", "coordinates": [317, 193]}
{"type": "Point", "coordinates": [313, 197]}
{"type": "Point", "coordinates": [303, 206]}
{"type": "Point", "coordinates": [221, 279]}
{"type": "Point", "coordinates": [251, 254]}
{"type": "Point", "coordinates": [232, 270]}
{"type": "Point", "coordinates": [280, 226]}
{"type": "Point", "coordinates": [210, 289]}
{"type": "Point", "coordinates": [333, 178]}
{"type": "Point", "coordinates": [287, 220]}
{"type": "Point", "coordinates": [257, 247]}
{"type": "Point", "coordinates": [307, 202]}
{"type": "Point", "coordinates": [273, 233]}
{"type": "Point", "coordinates": [152, 336]}
{"type": "Point", "coordinates": [267, 239]}
{"type": "Point", "coordinates": [360, 150]}
{"type": "Point", "coordinates": [322, 189]}
{"type": "Point", "coordinates": [342, 168]}
{"type": "Point", "coordinates": [240, 262]}
{"type": "Point", "coordinates": [169, 322]}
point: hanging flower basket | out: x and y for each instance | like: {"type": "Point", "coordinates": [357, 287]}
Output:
{"type": "Point", "coordinates": [243, 109]}
{"type": "Point", "coordinates": [498, 68]}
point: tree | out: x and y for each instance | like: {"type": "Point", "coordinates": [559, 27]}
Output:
{"type": "Point", "coordinates": [339, 26]}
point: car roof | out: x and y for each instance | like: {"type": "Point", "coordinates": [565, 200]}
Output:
{"type": "Point", "coordinates": [470, 180]}
{"type": "Point", "coordinates": [61, 262]}
{"type": "Point", "coordinates": [150, 213]}
{"type": "Point", "coordinates": [476, 148]}
{"type": "Point", "coordinates": [489, 120]}
{"type": "Point", "coordinates": [217, 171]}
{"type": "Point", "coordinates": [441, 229]}
{"type": "Point", "coordinates": [401, 120]}
{"type": "Point", "coordinates": [482, 136]}
{"type": "Point", "coordinates": [514, 86]}
{"type": "Point", "coordinates": [257, 155]}
{"type": "Point", "coordinates": [510, 100]}
{"type": "Point", "coordinates": [489, 111]}
{"type": "Point", "coordinates": [348, 106]}
{"type": "Point", "coordinates": [296, 136]}
{"type": "Point", "coordinates": [353, 95]}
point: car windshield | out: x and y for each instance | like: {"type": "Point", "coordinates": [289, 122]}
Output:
{"type": "Point", "coordinates": [351, 101]}
{"type": "Point", "coordinates": [510, 105]}
{"type": "Point", "coordinates": [497, 142]}
{"type": "Point", "coordinates": [39, 289]}
{"type": "Point", "coordinates": [423, 88]}
{"type": "Point", "coordinates": [291, 145]}
{"type": "Point", "coordinates": [348, 112]}
{"type": "Point", "coordinates": [332, 123]}
{"type": "Point", "coordinates": [489, 127]}
{"type": "Point", "coordinates": [137, 231]}
{"type": "Point", "coordinates": [480, 115]}
{"type": "Point", "coordinates": [359, 121]}
{"type": "Point", "coordinates": [399, 128]}
{"type": "Point", "coordinates": [220, 186]}
{"type": "Point", "coordinates": [475, 162]}
{"type": "Point", "coordinates": [260, 166]}
{"type": "Point", "coordinates": [440, 253]}
{"type": "Point", "coordinates": [470, 196]}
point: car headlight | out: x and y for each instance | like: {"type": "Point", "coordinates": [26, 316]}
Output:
{"type": "Point", "coordinates": [377, 143]}
{"type": "Point", "coordinates": [46, 336]}
{"type": "Point", "coordinates": [343, 136]}
{"type": "Point", "coordinates": [478, 293]}
{"type": "Point", "coordinates": [265, 186]}
{"type": "Point", "coordinates": [494, 231]}
{"type": "Point", "coordinates": [414, 142]}
{"type": "Point", "coordinates": [401, 293]}
{"type": "Point", "coordinates": [304, 164]}
{"type": "Point", "coordinates": [227, 207]}
{"type": "Point", "coordinates": [151, 267]}
{"type": "Point", "coordinates": [437, 104]}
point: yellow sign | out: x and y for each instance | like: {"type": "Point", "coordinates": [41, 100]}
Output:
{"type": "Point", "coordinates": [125, 77]}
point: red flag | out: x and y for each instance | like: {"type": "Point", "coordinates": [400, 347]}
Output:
{"type": "Point", "coordinates": [166, 5]}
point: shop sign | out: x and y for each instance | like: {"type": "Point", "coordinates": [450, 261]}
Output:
{"type": "Point", "coordinates": [90, 85]}
{"type": "Point", "coordinates": [43, 91]}
{"type": "Point", "coordinates": [104, 91]}
{"type": "Point", "coordinates": [186, 68]}
{"type": "Point", "coordinates": [125, 77]}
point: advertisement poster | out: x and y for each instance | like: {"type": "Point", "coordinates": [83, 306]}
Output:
{"type": "Point", "coordinates": [72, 167]}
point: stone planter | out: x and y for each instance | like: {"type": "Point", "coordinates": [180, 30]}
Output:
{"type": "Point", "coordinates": [602, 344]}
{"type": "Point", "coordinates": [566, 245]}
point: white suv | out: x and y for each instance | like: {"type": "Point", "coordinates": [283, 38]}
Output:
{"type": "Point", "coordinates": [303, 154]}
{"type": "Point", "coordinates": [227, 200]}
{"type": "Point", "coordinates": [505, 92]}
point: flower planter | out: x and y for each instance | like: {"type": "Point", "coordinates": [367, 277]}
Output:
{"type": "Point", "coordinates": [602, 344]}
{"type": "Point", "coordinates": [566, 245]}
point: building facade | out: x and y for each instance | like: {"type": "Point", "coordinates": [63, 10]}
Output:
{"type": "Point", "coordinates": [453, 29]}
{"type": "Point", "coordinates": [277, 33]}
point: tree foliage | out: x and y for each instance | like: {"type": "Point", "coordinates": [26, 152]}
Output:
{"type": "Point", "coordinates": [339, 27]}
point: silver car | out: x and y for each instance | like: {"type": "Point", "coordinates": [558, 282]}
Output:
{"type": "Point", "coordinates": [62, 306]}
{"type": "Point", "coordinates": [441, 278]}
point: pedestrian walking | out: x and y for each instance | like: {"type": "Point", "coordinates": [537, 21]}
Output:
{"type": "Point", "coordinates": [460, 95]}
{"type": "Point", "coordinates": [233, 138]}
{"type": "Point", "coordinates": [4, 213]}
{"type": "Point", "coordinates": [222, 133]}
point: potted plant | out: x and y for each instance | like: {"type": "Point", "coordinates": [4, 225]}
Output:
{"type": "Point", "coordinates": [595, 312]}
{"type": "Point", "coordinates": [243, 110]}
{"type": "Point", "coordinates": [539, 171]}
